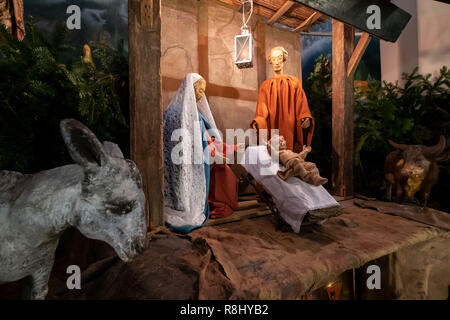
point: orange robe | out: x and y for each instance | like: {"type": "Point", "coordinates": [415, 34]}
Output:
{"type": "Point", "coordinates": [282, 105]}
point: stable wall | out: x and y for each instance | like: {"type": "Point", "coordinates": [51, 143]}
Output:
{"type": "Point", "coordinates": [198, 36]}
{"type": "Point", "coordinates": [424, 42]}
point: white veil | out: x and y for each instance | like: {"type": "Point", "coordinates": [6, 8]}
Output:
{"type": "Point", "coordinates": [184, 171]}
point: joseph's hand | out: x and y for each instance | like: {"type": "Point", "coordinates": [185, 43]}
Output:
{"type": "Point", "coordinates": [306, 124]}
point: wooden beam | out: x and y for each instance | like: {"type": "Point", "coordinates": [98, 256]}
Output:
{"type": "Point", "coordinates": [358, 53]}
{"type": "Point", "coordinates": [342, 113]}
{"type": "Point", "coordinates": [305, 25]}
{"type": "Point", "coordinates": [300, 60]}
{"type": "Point", "coordinates": [215, 90]}
{"type": "Point", "coordinates": [260, 48]}
{"type": "Point", "coordinates": [146, 110]}
{"type": "Point", "coordinates": [284, 8]}
{"type": "Point", "coordinates": [203, 41]}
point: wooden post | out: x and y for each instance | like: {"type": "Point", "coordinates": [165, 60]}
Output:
{"type": "Point", "coordinates": [342, 158]}
{"type": "Point", "coordinates": [146, 111]}
{"type": "Point", "coordinates": [300, 60]}
{"type": "Point", "coordinates": [203, 40]}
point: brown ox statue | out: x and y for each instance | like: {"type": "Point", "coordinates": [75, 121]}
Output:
{"type": "Point", "coordinates": [412, 169]}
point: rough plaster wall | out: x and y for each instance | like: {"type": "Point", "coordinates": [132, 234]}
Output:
{"type": "Point", "coordinates": [180, 55]}
{"type": "Point", "coordinates": [179, 41]}
{"type": "Point", "coordinates": [223, 25]}
{"type": "Point", "coordinates": [232, 113]}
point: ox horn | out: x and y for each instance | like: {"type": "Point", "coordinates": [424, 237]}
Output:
{"type": "Point", "coordinates": [398, 146]}
{"type": "Point", "coordinates": [436, 150]}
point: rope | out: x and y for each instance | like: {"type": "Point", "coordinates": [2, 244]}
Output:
{"type": "Point", "coordinates": [245, 22]}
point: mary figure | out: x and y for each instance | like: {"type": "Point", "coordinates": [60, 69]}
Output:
{"type": "Point", "coordinates": [188, 123]}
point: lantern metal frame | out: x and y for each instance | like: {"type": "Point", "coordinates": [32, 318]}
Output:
{"type": "Point", "coordinates": [244, 41]}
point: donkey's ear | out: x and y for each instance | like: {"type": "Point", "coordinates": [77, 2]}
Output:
{"type": "Point", "coordinates": [83, 145]}
{"type": "Point", "coordinates": [112, 150]}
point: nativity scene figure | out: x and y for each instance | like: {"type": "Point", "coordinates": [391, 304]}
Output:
{"type": "Point", "coordinates": [196, 188]}
{"type": "Point", "coordinates": [282, 105]}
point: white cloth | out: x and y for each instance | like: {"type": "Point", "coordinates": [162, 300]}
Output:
{"type": "Point", "coordinates": [294, 197]}
{"type": "Point", "coordinates": [185, 182]}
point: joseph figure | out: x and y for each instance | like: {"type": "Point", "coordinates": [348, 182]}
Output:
{"type": "Point", "coordinates": [282, 105]}
{"type": "Point", "coordinates": [11, 16]}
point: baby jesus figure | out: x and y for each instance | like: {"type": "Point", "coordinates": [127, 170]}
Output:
{"type": "Point", "coordinates": [295, 163]}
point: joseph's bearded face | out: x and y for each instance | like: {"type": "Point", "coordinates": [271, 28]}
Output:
{"type": "Point", "coordinates": [277, 60]}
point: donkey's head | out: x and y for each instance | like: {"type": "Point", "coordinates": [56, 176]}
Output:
{"type": "Point", "coordinates": [112, 204]}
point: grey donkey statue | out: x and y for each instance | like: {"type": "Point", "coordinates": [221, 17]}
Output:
{"type": "Point", "coordinates": [101, 195]}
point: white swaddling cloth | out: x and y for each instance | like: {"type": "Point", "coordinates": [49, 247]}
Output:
{"type": "Point", "coordinates": [294, 197]}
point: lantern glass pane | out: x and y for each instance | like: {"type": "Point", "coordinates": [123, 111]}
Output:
{"type": "Point", "coordinates": [243, 48]}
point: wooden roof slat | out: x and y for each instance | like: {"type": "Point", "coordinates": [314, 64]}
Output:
{"type": "Point", "coordinates": [298, 11]}
{"type": "Point", "coordinates": [302, 12]}
{"type": "Point", "coordinates": [285, 7]}
{"type": "Point", "coordinates": [268, 13]}
{"type": "Point", "coordinates": [305, 25]}
{"type": "Point", "coordinates": [268, 8]}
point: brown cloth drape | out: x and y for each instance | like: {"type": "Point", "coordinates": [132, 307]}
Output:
{"type": "Point", "coordinates": [282, 105]}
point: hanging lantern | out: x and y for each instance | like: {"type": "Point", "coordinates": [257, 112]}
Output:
{"type": "Point", "coordinates": [243, 50]}
{"type": "Point", "coordinates": [243, 43]}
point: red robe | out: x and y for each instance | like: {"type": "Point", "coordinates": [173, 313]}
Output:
{"type": "Point", "coordinates": [223, 185]}
{"type": "Point", "coordinates": [282, 105]}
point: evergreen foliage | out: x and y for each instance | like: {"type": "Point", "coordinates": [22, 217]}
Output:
{"type": "Point", "coordinates": [37, 91]}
